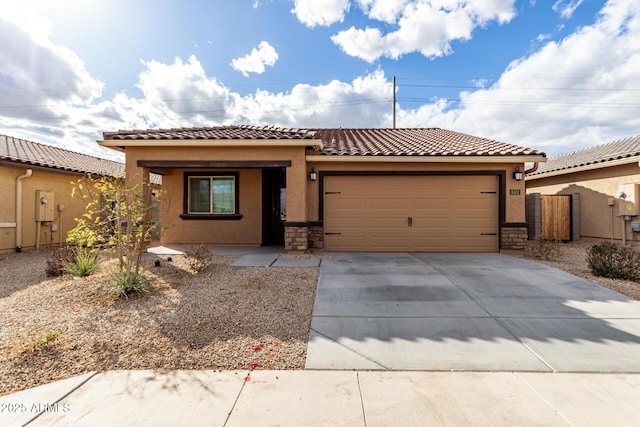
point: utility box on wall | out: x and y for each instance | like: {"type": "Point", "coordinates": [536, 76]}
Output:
{"type": "Point", "coordinates": [630, 205]}
{"type": "Point", "coordinates": [45, 206]}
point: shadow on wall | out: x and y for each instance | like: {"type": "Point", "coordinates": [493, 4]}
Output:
{"type": "Point", "coordinates": [592, 215]}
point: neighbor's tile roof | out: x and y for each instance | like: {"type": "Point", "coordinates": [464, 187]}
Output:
{"type": "Point", "coordinates": [628, 147]}
{"type": "Point", "coordinates": [33, 153]}
{"type": "Point", "coordinates": [348, 142]}
{"type": "Point", "coordinates": [217, 132]}
{"type": "Point", "coordinates": [413, 142]}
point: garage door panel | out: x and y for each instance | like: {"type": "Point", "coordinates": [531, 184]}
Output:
{"type": "Point", "coordinates": [384, 223]}
{"type": "Point", "coordinates": [431, 204]}
{"type": "Point", "coordinates": [350, 224]}
{"type": "Point", "coordinates": [395, 184]}
{"type": "Point", "coordinates": [393, 205]}
{"type": "Point", "coordinates": [346, 203]}
{"type": "Point", "coordinates": [473, 205]}
{"type": "Point", "coordinates": [448, 213]}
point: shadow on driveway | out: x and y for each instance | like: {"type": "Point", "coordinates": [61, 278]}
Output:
{"type": "Point", "coordinates": [427, 311]}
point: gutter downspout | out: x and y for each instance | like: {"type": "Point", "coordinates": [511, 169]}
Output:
{"type": "Point", "coordinates": [532, 169]}
{"type": "Point", "coordinates": [19, 208]}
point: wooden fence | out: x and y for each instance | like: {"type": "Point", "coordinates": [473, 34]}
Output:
{"type": "Point", "coordinates": [556, 217]}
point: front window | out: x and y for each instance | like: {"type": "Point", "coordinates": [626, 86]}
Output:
{"type": "Point", "coordinates": [212, 194]}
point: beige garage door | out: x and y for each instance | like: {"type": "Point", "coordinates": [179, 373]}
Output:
{"type": "Point", "coordinates": [411, 213]}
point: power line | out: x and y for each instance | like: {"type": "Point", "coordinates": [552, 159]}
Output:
{"type": "Point", "coordinates": [527, 88]}
{"type": "Point", "coordinates": [222, 112]}
{"type": "Point", "coordinates": [525, 103]}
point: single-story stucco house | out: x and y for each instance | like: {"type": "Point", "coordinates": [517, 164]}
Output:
{"type": "Point", "coordinates": [37, 209]}
{"type": "Point", "coordinates": [597, 177]}
{"type": "Point", "coordinates": [425, 189]}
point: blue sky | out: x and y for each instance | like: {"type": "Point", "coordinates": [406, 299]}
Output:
{"type": "Point", "coordinates": [556, 75]}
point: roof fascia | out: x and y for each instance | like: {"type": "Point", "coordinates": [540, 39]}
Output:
{"type": "Point", "coordinates": [252, 143]}
{"type": "Point", "coordinates": [593, 166]}
{"type": "Point", "coordinates": [424, 159]}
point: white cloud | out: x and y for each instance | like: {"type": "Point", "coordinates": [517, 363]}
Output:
{"type": "Point", "coordinates": [41, 84]}
{"type": "Point", "coordinates": [383, 10]}
{"type": "Point", "coordinates": [178, 93]}
{"type": "Point", "coordinates": [320, 12]}
{"type": "Point", "coordinates": [255, 61]}
{"type": "Point", "coordinates": [566, 95]}
{"type": "Point", "coordinates": [427, 27]}
{"type": "Point", "coordinates": [366, 101]}
{"type": "Point", "coordinates": [24, 17]}
{"type": "Point", "coordinates": [571, 94]}
{"type": "Point", "coordinates": [566, 8]}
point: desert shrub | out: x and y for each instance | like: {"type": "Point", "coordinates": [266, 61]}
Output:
{"type": "Point", "coordinates": [543, 249]}
{"type": "Point", "coordinates": [614, 261]}
{"type": "Point", "coordinates": [84, 263]}
{"type": "Point", "coordinates": [126, 283]}
{"type": "Point", "coordinates": [117, 218]}
{"type": "Point", "coordinates": [39, 340]}
{"type": "Point", "coordinates": [57, 261]}
{"type": "Point", "coordinates": [198, 257]}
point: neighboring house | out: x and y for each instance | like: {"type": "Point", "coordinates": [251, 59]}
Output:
{"type": "Point", "coordinates": [597, 176]}
{"type": "Point", "coordinates": [337, 189]}
{"type": "Point", "coordinates": [37, 209]}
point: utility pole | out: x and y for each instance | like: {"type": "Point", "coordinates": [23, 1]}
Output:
{"type": "Point", "coordinates": [394, 102]}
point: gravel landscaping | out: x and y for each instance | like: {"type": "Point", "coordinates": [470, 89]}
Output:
{"type": "Point", "coordinates": [571, 257]}
{"type": "Point", "coordinates": [231, 318]}
{"type": "Point", "coordinates": [237, 318]}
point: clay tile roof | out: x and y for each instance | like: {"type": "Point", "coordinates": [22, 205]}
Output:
{"type": "Point", "coordinates": [616, 150]}
{"type": "Point", "coordinates": [218, 132]}
{"type": "Point", "coordinates": [25, 152]}
{"type": "Point", "coordinates": [347, 142]}
{"type": "Point", "coordinates": [413, 142]}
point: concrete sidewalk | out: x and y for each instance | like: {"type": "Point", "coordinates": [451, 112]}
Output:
{"type": "Point", "coordinates": [328, 398]}
{"type": "Point", "coordinates": [248, 256]}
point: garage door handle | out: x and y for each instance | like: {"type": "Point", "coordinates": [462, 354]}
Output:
{"type": "Point", "coordinates": [488, 192]}
{"type": "Point", "coordinates": [488, 234]}
{"type": "Point", "coordinates": [331, 192]}
{"type": "Point", "coordinates": [410, 222]}
{"type": "Point", "coordinates": [331, 234]}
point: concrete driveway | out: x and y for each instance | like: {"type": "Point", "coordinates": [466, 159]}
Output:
{"type": "Point", "coordinates": [486, 312]}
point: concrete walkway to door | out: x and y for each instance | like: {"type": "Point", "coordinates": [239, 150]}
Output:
{"type": "Point", "coordinates": [476, 312]}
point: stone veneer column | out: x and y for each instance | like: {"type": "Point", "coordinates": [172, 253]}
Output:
{"type": "Point", "coordinates": [296, 237]}
{"type": "Point", "coordinates": [316, 236]}
{"type": "Point", "coordinates": [514, 236]}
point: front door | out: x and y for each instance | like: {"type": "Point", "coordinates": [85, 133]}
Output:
{"type": "Point", "coordinates": [274, 208]}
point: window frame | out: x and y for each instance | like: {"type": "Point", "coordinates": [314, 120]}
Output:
{"type": "Point", "coordinates": [186, 214]}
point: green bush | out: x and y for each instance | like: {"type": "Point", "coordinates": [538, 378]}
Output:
{"type": "Point", "coordinates": [84, 263]}
{"type": "Point", "coordinates": [57, 261]}
{"type": "Point", "coordinates": [614, 261]}
{"type": "Point", "coordinates": [198, 257]}
{"type": "Point", "coordinates": [127, 283]}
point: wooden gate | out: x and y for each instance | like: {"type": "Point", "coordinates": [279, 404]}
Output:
{"type": "Point", "coordinates": [556, 217]}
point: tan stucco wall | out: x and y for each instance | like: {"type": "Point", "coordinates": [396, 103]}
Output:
{"type": "Point", "coordinates": [302, 194]}
{"type": "Point", "coordinates": [514, 204]}
{"type": "Point", "coordinates": [246, 231]}
{"type": "Point", "coordinates": [60, 184]}
{"type": "Point", "coordinates": [597, 219]}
